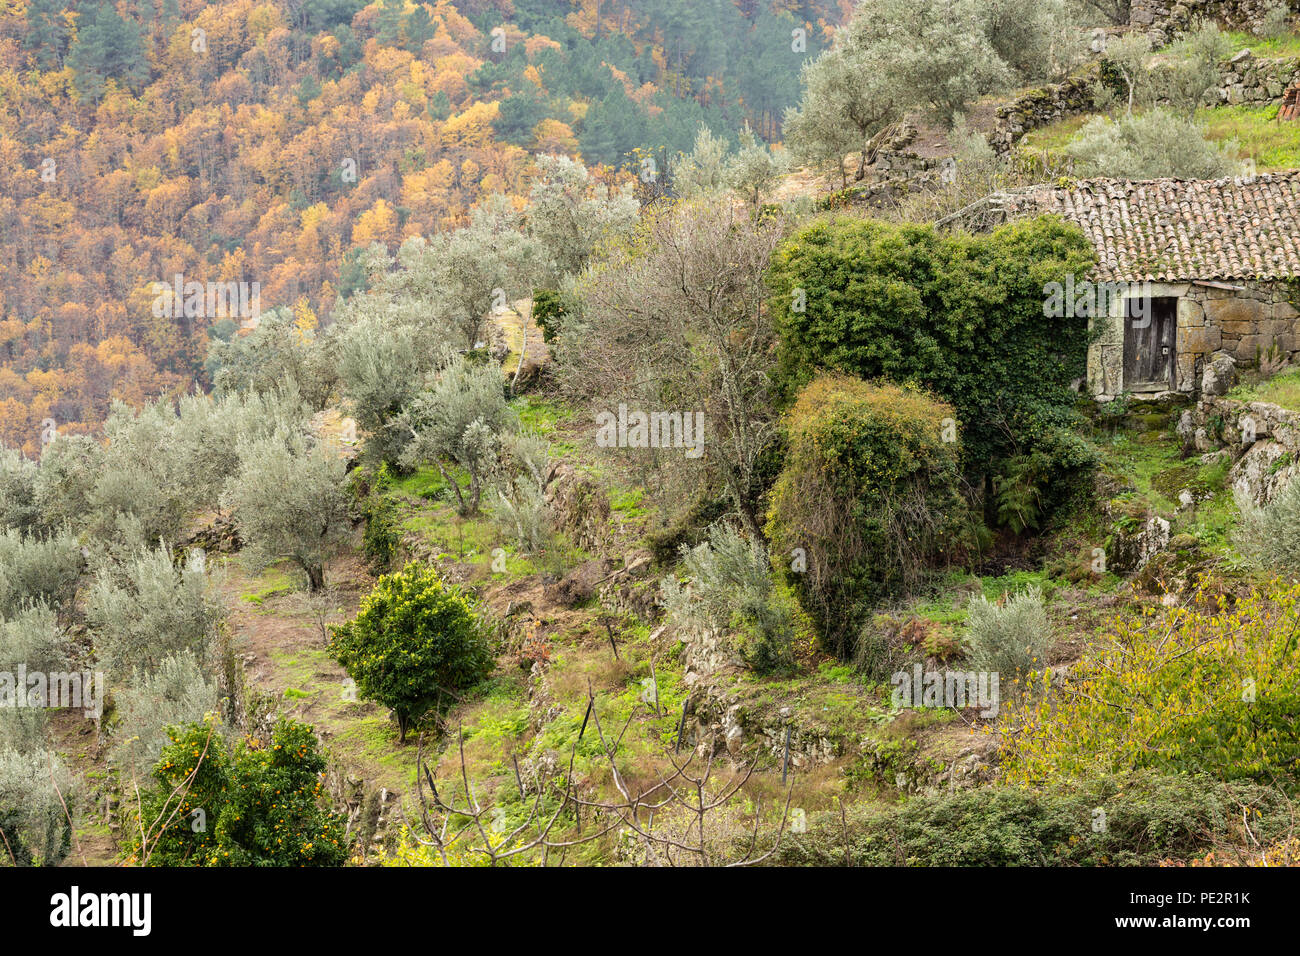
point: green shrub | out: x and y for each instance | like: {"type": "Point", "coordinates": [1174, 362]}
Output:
{"type": "Point", "coordinates": [1134, 820]}
{"type": "Point", "coordinates": [255, 804]}
{"type": "Point", "coordinates": [413, 642]}
{"type": "Point", "coordinates": [1011, 637]}
{"type": "Point", "coordinates": [381, 538]}
{"type": "Point", "coordinates": [1149, 145]}
{"type": "Point", "coordinates": [548, 312]}
{"type": "Point", "coordinates": [962, 316]}
{"type": "Point", "coordinates": [730, 585]}
{"type": "Point", "coordinates": [1270, 535]}
{"type": "Point", "coordinates": [867, 499]}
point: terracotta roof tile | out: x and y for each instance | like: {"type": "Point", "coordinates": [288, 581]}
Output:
{"type": "Point", "coordinates": [1176, 230]}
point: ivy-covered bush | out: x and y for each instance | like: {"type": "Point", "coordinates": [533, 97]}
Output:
{"type": "Point", "coordinates": [961, 315]}
{"type": "Point", "coordinates": [868, 497]}
{"type": "Point", "coordinates": [413, 642]}
{"type": "Point", "coordinates": [258, 803]}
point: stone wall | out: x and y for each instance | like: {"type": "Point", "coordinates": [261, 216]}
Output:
{"type": "Point", "coordinates": [1166, 20]}
{"type": "Point", "coordinates": [1041, 107]}
{"type": "Point", "coordinates": [894, 174]}
{"type": "Point", "coordinates": [1261, 438]}
{"type": "Point", "coordinates": [1244, 319]}
{"type": "Point", "coordinates": [1249, 79]}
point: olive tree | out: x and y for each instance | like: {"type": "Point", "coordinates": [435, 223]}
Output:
{"type": "Point", "coordinates": [458, 419]}
{"type": "Point", "coordinates": [147, 608]}
{"type": "Point", "coordinates": [288, 501]}
{"type": "Point", "coordinates": [274, 353]}
{"type": "Point", "coordinates": [569, 214]}
{"type": "Point", "coordinates": [384, 356]}
{"type": "Point", "coordinates": [703, 170]}
{"type": "Point", "coordinates": [37, 570]}
{"type": "Point", "coordinates": [468, 273]}
{"type": "Point", "coordinates": [755, 167]}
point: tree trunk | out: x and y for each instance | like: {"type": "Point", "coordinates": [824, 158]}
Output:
{"type": "Point", "coordinates": [315, 577]}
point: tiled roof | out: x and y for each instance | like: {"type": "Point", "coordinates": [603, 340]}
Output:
{"type": "Point", "coordinates": [1177, 230]}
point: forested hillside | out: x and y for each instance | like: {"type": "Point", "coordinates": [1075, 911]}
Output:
{"type": "Point", "coordinates": [650, 433]}
{"type": "Point", "coordinates": [269, 142]}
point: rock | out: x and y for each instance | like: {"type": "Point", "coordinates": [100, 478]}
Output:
{"type": "Point", "coordinates": [1130, 552]}
{"type": "Point", "coordinates": [580, 583]}
{"type": "Point", "coordinates": [637, 562]}
{"type": "Point", "coordinates": [1263, 471]}
{"type": "Point", "coordinates": [1219, 377]}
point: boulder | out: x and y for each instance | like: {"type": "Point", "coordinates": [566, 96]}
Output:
{"type": "Point", "coordinates": [1219, 377]}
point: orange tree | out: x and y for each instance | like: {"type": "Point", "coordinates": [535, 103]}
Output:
{"type": "Point", "coordinates": [413, 642]}
{"type": "Point", "coordinates": [257, 803]}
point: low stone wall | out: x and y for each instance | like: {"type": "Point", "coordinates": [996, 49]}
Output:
{"type": "Point", "coordinates": [895, 174]}
{"type": "Point", "coordinates": [1244, 79]}
{"type": "Point", "coordinates": [1041, 107]}
{"type": "Point", "coordinates": [1254, 80]}
{"type": "Point", "coordinates": [1166, 20]}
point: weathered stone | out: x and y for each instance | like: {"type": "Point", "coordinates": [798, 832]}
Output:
{"type": "Point", "coordinates": [1220, 375]}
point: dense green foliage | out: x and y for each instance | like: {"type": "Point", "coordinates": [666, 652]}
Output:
{"type": "Point", "coordinates": [961, 315]}
{"type": "Point", "coordinates": [413, 642]}
{"type": "Point", "coordinates": [869, 495]}
{"type": "Point", "coordinates": [1124, 821]}
{"type": "Point", "coordinates": [257, 803]}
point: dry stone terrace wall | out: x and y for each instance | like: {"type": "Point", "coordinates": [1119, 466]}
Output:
{"type": "Point", "coordinates": [1042, 107]}
{"type": "Point", "coordinates": [1244, 79]}
{"type": "Point", "coordinates": [1165, 21]}
{"type": "Point", "coordinates": [1254, 80]}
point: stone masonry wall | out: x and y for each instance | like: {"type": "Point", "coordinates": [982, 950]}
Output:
{"type": "Point", "coordinates": [1166, 20]}
{"type": "Point", "coordinates": [1245, 321]}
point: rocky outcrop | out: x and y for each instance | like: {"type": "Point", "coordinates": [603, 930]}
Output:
{"type": "Point", "coordinates": [1262, 440]}
{"type": "Point", "coordinates": [1130, 551]}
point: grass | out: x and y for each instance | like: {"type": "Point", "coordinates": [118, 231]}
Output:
{"type": "Point", "coordinates": [1282, 389]}
{"type": "Point", "coordinates": [1258, 133]}
{"type": "Point", "coordinates": [1288, 44]}
{"type": "Point", "coordinates": [425, 482]}
{"type": "Point", "coordinates": [270, 583]}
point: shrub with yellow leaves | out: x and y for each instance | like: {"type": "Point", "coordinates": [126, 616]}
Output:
{"type": "Point", "coordinates": [1211, 686]}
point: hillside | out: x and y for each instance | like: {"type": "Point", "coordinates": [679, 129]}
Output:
{"type": "Point", "coordinates": [735, 434]}
{"type": "Point", "coordinates": [267, 144]}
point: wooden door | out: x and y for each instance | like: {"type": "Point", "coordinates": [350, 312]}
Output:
{"type": "Point", "coordinates": [1150, 355]}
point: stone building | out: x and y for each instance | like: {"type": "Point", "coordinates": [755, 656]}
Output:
{"type": "Point", "coordinates": [1194, 267]}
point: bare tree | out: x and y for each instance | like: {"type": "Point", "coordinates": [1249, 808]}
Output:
{"type": "Point", "coordinates": [680, 313]}
{"type": "Point", "coordinates": [674, 821]}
